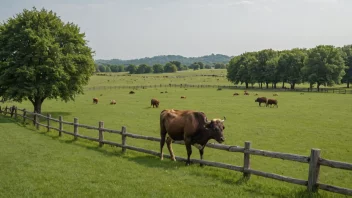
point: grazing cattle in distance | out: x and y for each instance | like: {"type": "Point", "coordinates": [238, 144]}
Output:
{"type": "Point", "coordinates": [184, 97]}
{"type": "Point", "coordinates": [261, 100]}
{"type": "Point", "coordinates": [275, 94]}
{"type": "Point", "coordinates": [131, 92]}
{"type": "Point", "coordinates": [154, 102]}
{"type": "Point", "coordinates": [246, 93]}
{"type": "Point", "coordinates": [113, 102]}
{"type": "Point", "coordinates": [236, 94]}
{"type": "Point", "coordinates": [272, 102]}
{"type": "Point", "coordinates": [190, 126]}
{"type": "Point", "coordinates": [95, 100]}
{"type": "Point", "coordinates": [161, 92]}
{"type": "Point", "coordinates": [255, 94]}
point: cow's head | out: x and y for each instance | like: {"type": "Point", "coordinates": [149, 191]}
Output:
{"type": "Point", "coordinates": [216, 126]}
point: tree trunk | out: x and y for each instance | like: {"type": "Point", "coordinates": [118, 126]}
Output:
{"type": "Point", "coordinates": [267, 85]}
{"type": "Point", "coordinates": [311, 86]}
{"type": "Point", "coordinates": [246, 85]}
{"type": "Point", "coordinates": [348, 84]}
{"type": "Point", "coordinates": [318, 85]}
{"type": "Point", "coordinates": [293, 85]}
{"type": "Point", "coordinates": [37, 104]}
{"type": "Point", "coordinates": [274, 85]}
{"type": "Point", "coordinates": [283, 84]}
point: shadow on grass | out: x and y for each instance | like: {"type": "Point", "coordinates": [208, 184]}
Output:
{"type": "Point", "coordinates": [56, 114]}
{"type": "Point", "coordinates": [6, 119]}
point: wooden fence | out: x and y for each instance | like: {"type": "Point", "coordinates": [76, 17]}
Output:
{"type": "Point", "coordinates": [321, 90]}
{"type": "Point", "coordinates": [314, 160]}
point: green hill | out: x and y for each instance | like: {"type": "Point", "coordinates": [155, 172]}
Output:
{"type": "Point", "coordinates": [163, 59]}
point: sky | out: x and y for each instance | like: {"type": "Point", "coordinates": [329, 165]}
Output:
{"type": "Point", "coordinates": [129, 29]}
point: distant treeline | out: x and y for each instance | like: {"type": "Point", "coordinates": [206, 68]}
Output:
{"type": "Point", "coordinates": [207, 60]}
{"type": "Point", "coordinates": [323, 65]}
{"type": "Point", "coordinates": [172, 66]}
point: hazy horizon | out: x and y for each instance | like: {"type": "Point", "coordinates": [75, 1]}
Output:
{"type": "Point", "coordinates": [133, 29]}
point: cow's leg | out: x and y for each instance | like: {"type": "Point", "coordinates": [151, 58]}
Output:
{"type": "Point", "coordinates": [201, 152]}
{"type": "Point", "coordinates": [189, 151]}
{"type": "Point", "coordinates": [169, 146]}
{"type": "Point", "coordinates": [162, 143]}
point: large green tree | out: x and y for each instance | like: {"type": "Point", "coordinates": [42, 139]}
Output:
{"type": "Point", "coordinates": [324, 65]}
{"type": "Point", "coordinates": [239, 70]}
{"type": "Point", "coordinates": [158, 68]}
{"type": "Point", "coordinates": [41, 57]}
{"type": "Point", "coordinates": [290, 65]}
{"type": "Point", "coordinates": [347, 55]}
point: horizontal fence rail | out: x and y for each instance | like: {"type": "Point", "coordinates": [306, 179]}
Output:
{"type": "Point", "coordinates": [320, 90]}
{"type": "Point", "coordinates": [314, 160]}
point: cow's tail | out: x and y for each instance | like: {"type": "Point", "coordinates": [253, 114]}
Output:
{"type": "Point", "coordinates": [162, 123]}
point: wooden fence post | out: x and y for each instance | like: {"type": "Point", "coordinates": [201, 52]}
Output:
{"type": "Point", "coordinates": [15, 112]}
{"type": "Point", "coordinates": [48, 122]}
{"type": "Point", "coordinates": [36, 121]}
{"type": "Point", "coordinates": [246, 159]}
{"type": "Point", "coordinates": [123, 132]}
{"type": "Point", "coordinates": [60, 126]}
{"type": "Point", "coordinates": [12, 110]}
{"type": "Point", "coordinates": [24, 116]}
{"type": "Point", "coordinates": [101, 133]}
{"type": "Point", "coordinates": [75, 128]}
{"type": "Point", "coordinates": [314, 167]}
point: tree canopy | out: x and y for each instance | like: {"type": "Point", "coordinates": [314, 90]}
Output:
{"type": "Point", "coordinates": [322, 65]}
{"type": "Point", "coordinates": [41, 57]}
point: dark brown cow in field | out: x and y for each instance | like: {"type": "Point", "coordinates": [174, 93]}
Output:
{"type": "Point", "coordinates": [113, 102]}
{"type": "Point", "coordinates": [261, 100]}
{"type": "Point", "coordinates": [275, 94]}
{"type": "Point", "coordinates": [184, 97]}
{"type": "Point", "coordinates": [272, 102]}
{"type": "Point", "coordinates": [95, 100]}
{"type": "Point", "coordinates": [154, 102]}
{"type": "Point", "coordinates": [131, 92]}
{"type": "Point", "coordinates": [236, 94]}
{"type": "Point", "coordinates": [190, 126]}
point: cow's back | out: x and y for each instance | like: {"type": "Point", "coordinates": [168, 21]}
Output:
{"type": "Point", "coordinates": [178, 122]}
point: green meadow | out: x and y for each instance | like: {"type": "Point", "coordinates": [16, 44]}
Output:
{"type": "Point", "coordinates": [38, 163]}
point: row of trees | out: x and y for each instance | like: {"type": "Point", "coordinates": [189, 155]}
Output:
{"type": "Point", "coordinates": [323, 65]}
{"type": "Point", "coordinates": [169, 67]}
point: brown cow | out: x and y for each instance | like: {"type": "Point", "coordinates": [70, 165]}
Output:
{"type": "Point", "coordinates": [236, 94]}
{"type": "Point", "coordinates": [154, 102]}
{"type": "Point", "coordinates": [95, 100]}
{"type": "Point", "coordinates": [275, 94]}
{"type": "Point", "coordinates": [272, 102]}
{"type": "Point", "coordinates": [261, 100]}
{"type": "Point", "coordinates": [184, 97]}
{"type": "Point", "coordinates": [113, 102]}
{"type": "Point", "coordinates": [131, 92]}
{"type": "Point", "coordinates": [190, 126]}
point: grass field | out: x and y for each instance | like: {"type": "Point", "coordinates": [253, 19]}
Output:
{"type": "Point", "coordinates": [188, 76]}
{"type": "Point", "coordinates": [302, 122]}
